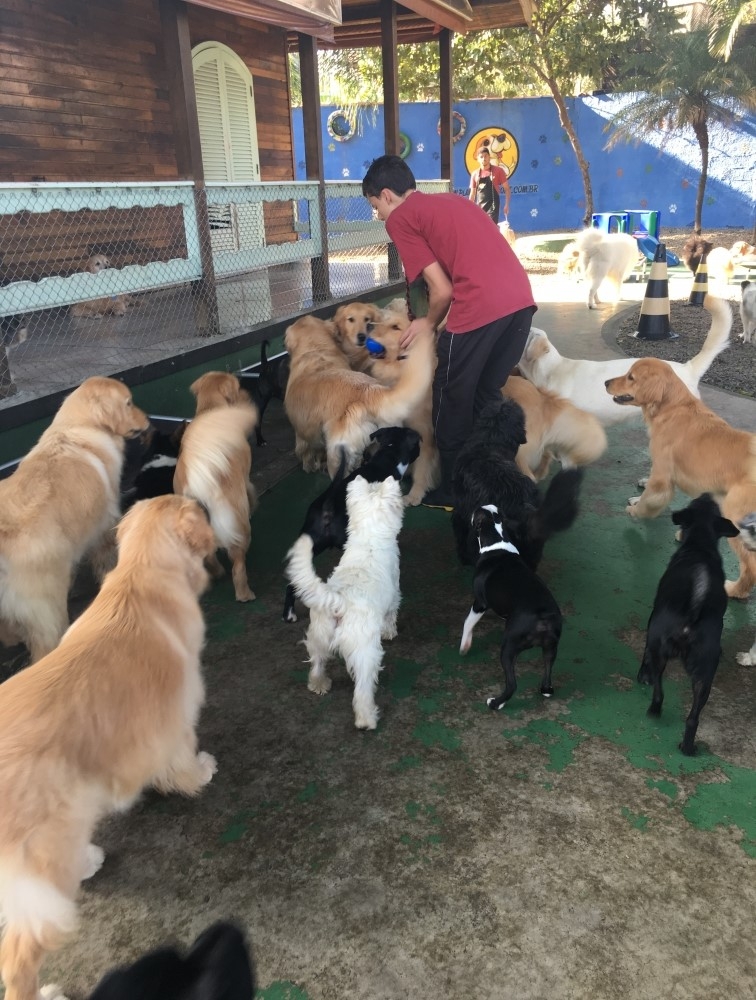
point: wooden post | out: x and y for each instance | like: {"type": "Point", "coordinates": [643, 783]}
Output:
{"type": "Point", "coordinates": [446, 137]}
{"type": "Point", "coordinates": [390, 105]}
{"type": "Point", "coordinates": [314, 166]}
{"type": "Point", "coordinates": [178, 63]}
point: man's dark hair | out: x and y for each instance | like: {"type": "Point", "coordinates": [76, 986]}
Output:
{"type": "Point", "coordinates": [388, 172]}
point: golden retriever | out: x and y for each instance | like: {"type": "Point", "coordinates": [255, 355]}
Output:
{"type": "Point", "coordinates": [58, 506]}
{"type": "Point", "coordinates": [555, 429]}
{"type": "Point", "coordinates": [111, 711]}
{"type": "Point", "coordinates": [213, 467]}
{"type": "Point", "coordinates": [352, 325]}
{"type": "Point", "coordinates": [331, 407]}
{"type": "Point", "coordinates": [387, 369]}
{"type": "Point", "coordinates": [693, 449]}
{"type": "Point", "coordinates": [114, 305]}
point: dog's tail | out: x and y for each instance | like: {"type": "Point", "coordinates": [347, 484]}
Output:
{"type": "Point", "coordinates": [717, 338]}
{"type": "Point", "coordinates": [559, 507]}
{"type": "Point", "coordinates": [308, 585]}
{"type": "Point", "coordinates": [575, 437]}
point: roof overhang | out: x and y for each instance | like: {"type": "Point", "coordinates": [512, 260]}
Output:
{"type": "Point", "coordinates": [309, 17]}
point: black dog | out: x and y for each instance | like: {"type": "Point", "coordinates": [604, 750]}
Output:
{"type": "Point", "coordinates": [216, 967]}
{"type": "Point", "coordinates": [149, 464]}
{"type": "Point", "coordinates": [690, 602]}
{"type": "Point", "coordinates": [486, 473]}
{"type": "Point", "coordinates": [266, 384]}
{"type": "Point", "coordinates": [326, 520]}
{"type": "Point", "coordinates": [505, 583]}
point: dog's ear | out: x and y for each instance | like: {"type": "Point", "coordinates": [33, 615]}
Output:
{"type": "Point", "coordinates": [684, 517]}
{"type": "Point", "coordinates": [725, 528]}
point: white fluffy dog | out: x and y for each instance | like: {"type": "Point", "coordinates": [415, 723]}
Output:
{"type": "Point", "coordinates": [582, 382]}
{"type": "Point", "coordinates": [357, 606]}
{"type": "Point", "coordinates": [605, 257]}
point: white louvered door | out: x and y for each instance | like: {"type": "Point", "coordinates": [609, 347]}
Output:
{"type": "Point", "coordinates": [228, 136]}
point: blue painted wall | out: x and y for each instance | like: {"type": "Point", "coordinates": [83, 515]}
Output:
{"type": "Point", "coordinates": [547, 192]}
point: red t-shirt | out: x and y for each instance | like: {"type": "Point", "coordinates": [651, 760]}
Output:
{"type": "Point", "coordinates": [488, 281]}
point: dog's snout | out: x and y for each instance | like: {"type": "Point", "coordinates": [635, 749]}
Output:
{"type": "Point", "coordinates": [361, 338]}
{"type": "Point", "coordinates": [607, 383]}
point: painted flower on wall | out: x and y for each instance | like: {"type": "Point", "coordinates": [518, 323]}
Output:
{"type": "Point", "coordinates": [620, 171]}
{"type": "Point", "coordinates": [685, 183]}
{"type": "Point", "coordinates": [557, 161]}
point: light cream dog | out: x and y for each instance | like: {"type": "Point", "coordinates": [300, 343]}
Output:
{"type": "Point", "coordinates": [58, 506]}
{"type": "Point", "coordinates": [111, 711]}
{"type": "Point", "coordinates": [555, 429]}
{"type": "Point", "coordinates": [331, 407]}
{"type": "Point", "coordinates": [114, 305]}
{"type": "Point", "coordinates": [606, 257]}
{"type": "Point", "coordinates": [582, 382]}
{"type": "Point", "coordinates": [214, 464]}
{"type": "Point", "coordinates": [693, 449]}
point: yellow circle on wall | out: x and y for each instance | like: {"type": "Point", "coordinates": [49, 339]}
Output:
{"type": "Point", "coordinates": [501, 144]}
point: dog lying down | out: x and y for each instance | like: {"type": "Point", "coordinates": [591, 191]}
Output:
{"type": "Point", "coordinates": [689, 607]}
{"type": "Point", "coordinates": [748, 537]}
{"type": "Point", "coordinates": [326, 520]}
{"type": "Point", "coordinates": [582, 382]}
{"type": "Point", "coordinates": [506, 585]}
{"type": "Point", "coordinates": [216, 967]}
{"type": "Point", "coordinates": [112, 710]}
{"type": "Point", "coordinates": [358, 605]}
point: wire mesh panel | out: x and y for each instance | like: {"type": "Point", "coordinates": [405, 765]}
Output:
{"type": "Point", "coordinates": [102, 278]}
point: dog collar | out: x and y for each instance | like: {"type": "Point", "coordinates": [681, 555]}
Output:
{"type": "Point", "coordinates": [501, 546]}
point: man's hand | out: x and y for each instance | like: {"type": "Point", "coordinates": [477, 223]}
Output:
{"type": "Point", "coordinates": [421, 326]}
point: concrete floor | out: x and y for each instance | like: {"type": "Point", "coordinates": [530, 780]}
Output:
{"type": "Point", "coordinates": [560, 849]}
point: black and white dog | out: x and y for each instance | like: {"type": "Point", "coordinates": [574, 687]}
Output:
{"type": "Point", "coordinates": [690, 602]}
{"type": "Point", "coordinates": [266, 384]}
{"type": "Point", "coordinates": [486, 473]}
{"type": "Point", "coordinates": [326, 520]}
{"type": "Point", "coordinates": [216, 967]}
{"type": "Point", "coordinates": [149, 464]}
{"type": "Point", "coordinates": [505, 584]}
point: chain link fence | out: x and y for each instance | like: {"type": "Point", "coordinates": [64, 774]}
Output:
{"type": "Point", "coordinates": [101, 279]}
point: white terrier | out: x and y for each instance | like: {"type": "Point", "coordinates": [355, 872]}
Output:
{"type": "Point", "coordinates": [357, 606]}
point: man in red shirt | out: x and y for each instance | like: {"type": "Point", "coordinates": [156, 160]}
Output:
{"type": "Point", "coordinates": [473, 275]}
{"type": "Point", "coordinates": [487, 183]}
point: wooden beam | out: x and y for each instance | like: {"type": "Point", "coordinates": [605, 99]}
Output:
{"type": "Point", "coordinates": [314, 166]}
{"type": "Point", "coordinates": [390, 77]}
{"type": "Point", "coordinates": [183, 99]}
{"type": "Point", "coordinates": [445, 100]}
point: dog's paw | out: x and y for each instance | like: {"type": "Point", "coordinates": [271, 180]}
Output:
{"type": "Point", "coordinates": [733, 588]}
{"type": "Point", "coordinates": [52, 992]}
{"type": "Point", "coordinates": [208, 766]}
{"type": "Point", "coordinates": [633, 501]}
{"type": "Point", "coordinates": [319, 684]}
{"type": "Point", "coordinates": [496, 704]}
{"type": "Point", "coordinates": [547, 692]}
{"type": "Point", "coordinates": [412, 501]}
{"type": "Point", "coordinates": [632, 506]}
{"type": "Point", "coordinates": [746, 659]}
{"type": "Point", "coordinates": [643, 483]}
{"type": "Point", "coordinates": [244, 594]}
{"type": "Point", "coordinates": [93, 861]}
{"type": "Point", "coordinates": [366, 719]}
{"type": "Point", "coordinates": [290, 615]}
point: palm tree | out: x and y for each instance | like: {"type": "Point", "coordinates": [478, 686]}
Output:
{"type": "Point", "coordinates": [727, 18]}
{"type": "Point", "coordinates": [684, 86]}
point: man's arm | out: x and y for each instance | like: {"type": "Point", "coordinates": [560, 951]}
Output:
{"type": "Point", "coordinates": [473, 184]}
{"type": "Point", "coordinates": [505, 186]}
{"type": "Point", "coordinates": [439, 300]}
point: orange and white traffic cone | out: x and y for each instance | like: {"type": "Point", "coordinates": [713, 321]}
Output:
{"type": "Point", "coordinates": [653, 322]}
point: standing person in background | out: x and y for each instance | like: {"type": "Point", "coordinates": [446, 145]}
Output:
{"type": "Point", "coordinates": [473, 275]}
{"type": "Point", "coordinates": [487, 183]}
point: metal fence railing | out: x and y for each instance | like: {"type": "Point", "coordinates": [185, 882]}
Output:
{"type": "Point", "coordinates": [100, 278]}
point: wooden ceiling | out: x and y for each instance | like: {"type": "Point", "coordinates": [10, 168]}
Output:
{"type": "Point", "coordinates": [420, 20]}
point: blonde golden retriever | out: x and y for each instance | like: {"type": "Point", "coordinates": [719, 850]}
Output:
{"type": "Point", "coordinates": [58, 506]}
{"type": "Point", "coordinates": [114, 305]}
{"type": "Point", "coordinates": [111, 711]}
{"type": "Point", "coordinates": [333, 408]}
{"type": "Point", "coordinates": [352, 324]}
{"type": "Point", "coordinates": [555, 429]}
{"type": "Point", "coordinates": [387, 369]}
{"type": "Point", "coordinates": [213, 467]}
{"type": "Point", "coordinates": [693, 449]}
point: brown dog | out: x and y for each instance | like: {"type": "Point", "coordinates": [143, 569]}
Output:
{"type": "Point", "coordinates": [111, 711]}
{"type": "Point", "coordinates": [692, 449]}
{"type": "Point", "coordinates": [213, 467]}
{"type": "Point", "coordinates": [58, 506]}
{"type": "Point", "coordinates": [352, 325]}
{"type": "Point", "coordinates": [555, 429]}
{"type": "Point", "coordinates": [114, 305]}
{"type": "Point", "coordinates": [331, 407]}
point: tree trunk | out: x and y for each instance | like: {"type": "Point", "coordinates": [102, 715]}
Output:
{"type": "Point", "coordinates": [566, 123]}
{"type": "Point", "coordinates": [702, 134]}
